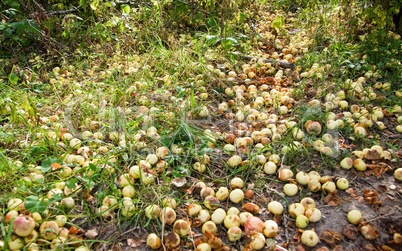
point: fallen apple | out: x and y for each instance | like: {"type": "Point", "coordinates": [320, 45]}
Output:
{"type": "Point", "coordinates": [49, 230]}
{"type": "Point", "coordinates": [355, 217]}
{"type": "Point", "coordinates": [347, 163]}
{"type": "Point", "coordinates": [181, 227]}
{"type": "Point", "coordinates": [296, 209]}
{"type": "Point", "coordinates": [398, 174]}
{"type": "Point", "coordinates": [342, 183]}
{"type": "Point", "coordinates": [209, 226]}
{"type": "Point", "coordinates": [218, 216]}
{"type": "Point", "coordinates": [275, 207]}
{"type": "Point", "coordinates": [301, 221]}
{"type": "Point", "coordinates": [313, 214]}
{"type": "Point", "coordinates": [234, 233]}
{"type": "Point", "coordinates": [313, 128]}
{"type": "Point", "coordinates": [231, 220]}
{"type": "Point", "coordinates": [203, 247]}
{"type": "Point", "coordinates": [168, 216]}
{"type": "Point", "coordinates": [23, 225]}
{"type": "Point", "coordinates": [309, 238]}
{"type": "Point", "coordinates": [302, 178]}
{"type": "Point", "coordinates": [290, 189]}
{"type": "Point", "coordinates": [236, 183]}
{"type": "Point", "coordinates": [236, 196]}
{"type": "Point", "coordinates": [204, 216]}
{"type": "Point", "coordinates": [307, 203]}
{"type": "Point", "coordinates": [257, 241]}
{"type": "Point", "coordinates": [253, 223]}
{"type": "Point", "coordinates": [270, 229]}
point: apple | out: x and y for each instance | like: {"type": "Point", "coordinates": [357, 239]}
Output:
{"type": "Point", "coordinates": [234, 161]}
{"type": "Point", "coordinates": [253, 223]}
{"type": "Point", "coordinates": [359, 165]}
{"type": "Point", "coordinates": [347, 163]}
{"type": "Point", "coordinates": [236, 183]}
{"type": "Point", "coordinates": [234, 233]}
{"type": "Point", "coordinates": [233, 210]}
{"type": "Point", "coordinates": [193, 210]}
{"type": "Point", "coordinates": [296, 209]}
{"type": "Point", "coordinates": [31, 237]}
{"type": "Point", "coordinates": [270, 167]}
{"type": "Point", "coordinates": [23, 225]}
{"type": "Point", "coordinates": [244, 216]}
{"type": "Point", "coordinates": [169, 202]}
{"type": "Point", "coordinates": [285, 174]}
{"type": "Point", "coordinates": [10, 215]}
{"type": "Point", "coordinates": [49, 230]}
{"type": "Point", "coordinates": [301, 221]}
{"type": "Point", "coordinates": [313, 214]}
{"type": "Point", "coordinates": [67, 202]}
{"type": "Point", "coordinates": [329, 187]}
{"type": "Point", "coordinates": [270, 229]}
{"type": "Point", "coordinates": [257, 241]}
{"type": "Point", "coordinates": [15, 243]}
{"type": "Point", "coordinates": [168, 215]}
{"type": "Point", "coordinates": [204, 216]}
{"type": "Point", "coordinates": [398, 174]}
{"type": "Point", "coordinates": [342, 183]}
{"type": "Point", "coordinates": [313, 128]}
{"type": "Point", "coordinates": [355, 217]}
{"type": "Point", "coordinates": [218, 216]}
{"type": "Point", "coordinates": [307, 203]}
{"type": "Point", "coordinates": [203, 247]}
{"type": "Point", "coordinates": [207, 191]}
{"type": "Point", "coordinates": [231, 220]}
{"type": "Point", "coordinates": [236, 196]}
{"type": "Point", "coordinates": [181, 227]}
{"type": "Point", "coordinates": [211, 202]}
{"type": "Point", "coordinates": [314, 186]}
{"type": "Point", "coordinates": [309, 238]}
{"type": "Point", "coordinates": [14, 204]}
{"type": "Point", "coordinates": [302, 178]}
{"type": "Point", "coordinates": [290, 189]}
{"type": "Point", "coordinates": [275, 207]}
{"type": "Point", "coordinates": [153, 211]}
{"type": "Point", "coordinates": [209, 226]}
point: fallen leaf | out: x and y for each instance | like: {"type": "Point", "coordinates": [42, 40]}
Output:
{"type": "Point", "coordinates": [332, 199]}
{"type": "Point", "coordinates": [372, 155]}
{"type": "Point", "coordinates": [135, 242]}
{"type": "Point", "coordinates": [350, 232]}
{"type": "Point", "coordinates": [55, 166]}
{"type": "Point", "coordinates": [91, 234]}
{"type": "Point", "coordinates": [331, 238]}
{"type": "Point", "coordinates": [179, 182]}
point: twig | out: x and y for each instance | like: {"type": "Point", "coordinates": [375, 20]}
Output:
{"type": "Point", "coordinates": [382, 216]}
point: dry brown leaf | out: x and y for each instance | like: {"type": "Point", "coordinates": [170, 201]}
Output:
{"type": "Point", "coordinates": [332, 199]}
{"type": "Point", "coordinates": [350, 232]}
{"type": "Point", "coordinates": [179, 182]}
{"type": "Point", "coordinates": [330, 238]}
{"type": "Point", "coordinates": [134, 243]}
{"type": "Point", "coordinates": [91, 234]}
{"type": "Point", "coordinates": [372, 155]}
